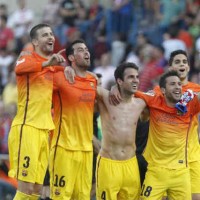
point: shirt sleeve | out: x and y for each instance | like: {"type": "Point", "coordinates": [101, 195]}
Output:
{"type": "Point", "coordinates": [27, 64]}
{"type": "Point", "coordinates": [145, 96]}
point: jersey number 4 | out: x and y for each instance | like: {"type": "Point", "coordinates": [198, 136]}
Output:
{"type": "Point", "coordinates": [103, 195]}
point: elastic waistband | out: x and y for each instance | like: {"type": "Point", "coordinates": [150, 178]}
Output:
{"type": "Point", "coordinates": [116, 161]}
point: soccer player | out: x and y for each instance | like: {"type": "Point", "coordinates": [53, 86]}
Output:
{"type": "Point", "coordinates": [117, 160]}
{"type": "Point", "coordinates": [71, 153]}
{"type": "Point", "coordinates": [117, 172]}
{"type": "Point", "coordinates": [179, 61]}
{"type": "Point", "coordinates": [166, 150]}
{"type": "Point", "coordinates": [29, 134]}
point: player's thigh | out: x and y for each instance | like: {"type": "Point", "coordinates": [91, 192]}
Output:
{"type": "Point", "coordinates": [130, 188]}
{"type": "Point", "coordinates": [26, 161]}
{"type": "Point", "coordinates": [108, 179]}
{"type": "Point", "coordinates": [154, 184]}
{"type": "Point", "coordinates": [195, 177]}
{"type": "Point", "coordinates": [63, 168]}
{"type": "Point", "coordinates": [180, 185]}
{"type": "Point", "coordinates": [83, 182]}
{"type": "Point", "coordinates": [13, 145]}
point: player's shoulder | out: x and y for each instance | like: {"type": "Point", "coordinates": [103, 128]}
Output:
{"type": "Point", "coordinates": [91, 76]}
{"type": "Point", "coordinates": [193, 86]}
{"type": "Point", "coordinates": [25, 54]}
{"type": "Point", "coordinates": [149, 93]}
{"type": "Point", "coordinates": [139, 101]}
{"type": "Point", "coordinates": [151, 98]}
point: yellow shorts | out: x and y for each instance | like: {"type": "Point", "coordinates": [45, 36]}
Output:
{"type": "Point", "coordinates": [28, 153]}
{"type": "Point", "coordinates": [175, 182]}
{"type": "Point", "coordinates": [70, 174]}
{"type": "Point", "coordinates": [117, 179]}
{"type": "Point", "coordinates": [195, 176]}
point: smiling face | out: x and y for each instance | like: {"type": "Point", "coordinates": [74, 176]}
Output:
{"type": "Point", "coordinates": [44, 41]}
{"type": "Point", "coordinates": [81, 56]}
{"type": "Point", "coordinates": [181, 65]}
{"type": "Point", "coordinates": [172, 90]}
{"type": "Point", "coordinates": [129, 84]}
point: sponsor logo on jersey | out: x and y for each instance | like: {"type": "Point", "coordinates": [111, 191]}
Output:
{"type": "Point", "coordinates": [20, 61]}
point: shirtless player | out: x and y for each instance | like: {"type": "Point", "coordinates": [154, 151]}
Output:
{"type": "Point", "coordinates": [117, 173]}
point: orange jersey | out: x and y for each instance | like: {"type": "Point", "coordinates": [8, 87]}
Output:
{"type": "Point", "coordinates": [194, 146]}
{"type": "Point", "coordinates": [35, 87]}
{"type": "Point", "coordinates": [73, 112]}
{"type": "Point", "coordinates": [167, 145]}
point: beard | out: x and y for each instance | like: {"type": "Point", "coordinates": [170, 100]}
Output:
{"type": "Point", "coordinates": [173, 99]}
{"type": "Point", "coordinates": [83, 65]}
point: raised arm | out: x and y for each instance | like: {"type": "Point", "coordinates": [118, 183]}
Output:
{"type": "Point", "coordinates": [114, 95]}
{"type": "Point", "coordinates": [55, 59]}
{"type": "Point", "coordinates": [27, 63]}
{"type": "Point", "coordinates": [101, 92]}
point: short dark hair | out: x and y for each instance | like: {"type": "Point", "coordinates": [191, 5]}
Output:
{"type": "Point", "coordinates": [176, 52]}
{"type": "Point", "coordinates": [119, 72]}
{"type": "Point", "coordinates": [70, 49]}
{"type": "Point", "coordinates": [162, 81]}
{"type": "Point", "coordinates": [33, 32]}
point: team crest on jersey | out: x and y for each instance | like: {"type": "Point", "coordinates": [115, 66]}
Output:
{"type": "Point", "coordinates": [150, 93]}
{"type": "Point", "coordinates": [179, 113]}
{"type": "Point", "coordinates": [92, 84]}
{"type": "Point", "coordinates": [57, 192]}
{"type": "Point", "coordinates": [24, 172]}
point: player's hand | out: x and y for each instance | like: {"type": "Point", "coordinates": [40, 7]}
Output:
{"type": "Point", "coordinates": [69, 74]}
{"type": "Point", "coordinates": [55, 59]}
{"type": "Point", "coordinates": [114, 96]}
{"type": "Point", "coordinates": [45, 192]}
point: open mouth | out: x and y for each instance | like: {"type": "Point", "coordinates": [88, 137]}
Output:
{"type": "Point", "coordinates": [50, 44]}
{"type": "Point", "coordinates": [134, 86]}
{"type": "Point", "coordinates": [182, 70]}
{"type": "Point", "coordinates": [87, 59]}
{"type": "Point", "coordinates": [177, 93]}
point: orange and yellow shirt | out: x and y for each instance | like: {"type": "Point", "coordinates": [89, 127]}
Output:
{"type": "Point", "coordinates": [35, 88]}
{"type": "Point", "coordinates": [73, 112]}
{"type": "Point", "coordinates": [167, 144]}
{"type": "Point", "coordinates": [194, 146]}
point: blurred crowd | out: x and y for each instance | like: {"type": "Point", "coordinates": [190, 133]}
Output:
{"type": "Point", "coordinates": [139, 31]}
